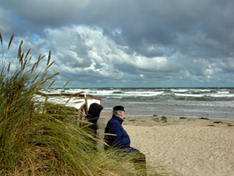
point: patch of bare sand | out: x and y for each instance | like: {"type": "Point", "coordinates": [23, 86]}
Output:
{"type": "Point", "coordinates": [189, 146]}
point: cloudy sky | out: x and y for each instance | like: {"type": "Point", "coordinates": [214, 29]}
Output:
{"type": "Point", "coordinates": [128, 43]}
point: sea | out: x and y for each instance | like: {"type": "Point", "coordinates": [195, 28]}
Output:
{"type": "Point", "coordinates": [214, 103]}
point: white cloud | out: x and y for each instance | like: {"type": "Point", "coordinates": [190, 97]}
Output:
{"type": "Point", "coordinates": [156, 63]}
{"type": "Point", "coordinates": [101, 57]}
{"type": "Point", "coordinates": [99, 52]}
{"type": "Point", "coordinates": [208, 72]}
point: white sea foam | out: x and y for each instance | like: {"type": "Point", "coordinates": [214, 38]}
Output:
{"type": "Point", "coordinates": [179, 90]}
{"type": "Point", "coordinates": [189, 95]}
{"type": "Point", "coordinates": [192, 101]}
{"type": "Point", "coordinates": [223, 92]}
{"type": "Point", "coordinates": [120, 93]}
{"type": "Point", "coordinates": [220, 95]}
{"type": "Point", "coordinates": [200, 90]}
{"type": "Point", "coordinates": [144, 93]}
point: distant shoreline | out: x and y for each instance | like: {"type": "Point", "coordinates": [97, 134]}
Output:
{"type": "Point", "coordinates": [144, 87]}
{"type": "Point", "coordinates": [177, 117]}
{"type": "Point", "coordinates": [144, 119]}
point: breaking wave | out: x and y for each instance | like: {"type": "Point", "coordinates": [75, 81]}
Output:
{"type": "Point", "coordinates": [204, 102]}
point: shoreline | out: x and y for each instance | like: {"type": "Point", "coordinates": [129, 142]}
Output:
{"type": "Point", "coordinates": [152, 120]}
{"type": "Point", "coordinates": [183, 145]}
{"type": "Point", "coordinates": [151, 113]}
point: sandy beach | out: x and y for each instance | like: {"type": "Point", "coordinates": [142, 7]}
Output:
{"type": "Point", "coordinates": [181, 145]}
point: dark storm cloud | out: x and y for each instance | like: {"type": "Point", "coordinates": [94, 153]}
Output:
{"type": "Point", "coordinates": [45, 12]}
{"type": "Point", "coordinates": [159, 40]}
{"type": "Point", "coordinates": [142, 22]}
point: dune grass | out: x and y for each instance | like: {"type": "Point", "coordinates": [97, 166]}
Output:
{"type": "Point", "coordinates": [34, 141]}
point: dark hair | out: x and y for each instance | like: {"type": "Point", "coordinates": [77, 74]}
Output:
{"type": "Point", "coordinates": [95, 109]}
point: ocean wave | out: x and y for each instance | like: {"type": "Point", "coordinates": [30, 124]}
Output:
{"type": "Point", "coordinates": [189, 95]}
{"type": "Point", "coordinates": [193, 94]}
{"type": "Point", "coordinates": [217, 102]}
{"type": "Point", "coordinates": [179, 90]}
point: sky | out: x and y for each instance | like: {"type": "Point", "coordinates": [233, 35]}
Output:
{"type": "Point", "coordinates": [127, 43]}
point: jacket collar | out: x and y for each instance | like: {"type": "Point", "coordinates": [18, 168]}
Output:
{"type": "Point", "coordinates": [118, 119]}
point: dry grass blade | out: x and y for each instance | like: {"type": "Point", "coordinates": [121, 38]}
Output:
{"type": "Point", "coordinates": [35, 78]}
{"type": "Point", "coordinates": [66, 83]}
{"type": "Point", "coordinates": [51, 84]}
{"type": "Point", "coordinates": [77, 102]}
{"type": "Point", "coordinates": [52, 76]}
{"type": "Point", "coordinates": [39, 60]}
{"type": "Point", "coordinates": [5, 124]}
{"type": "Point", "coordinates": [27, 53]}
{"type": "Point", "coordinates": [1, 38]}
{"type": "Point", "coordinates": [19, 51]}
{"type": "Point", "coordinates": [43, 82]}
{"type": "Point", "coordinates": [50, 65]}
{"type": "Point", "coordinates": [29, 59]}
{"type": "Point", "coordinates": [2, 75]}
{"type": "Point", "coordinates": [33, 67]}
{"type": "Point", "coordinates": [49, 57]}
{"type": "Point", "coordinates": [36, 64]}
{"type": "Point", "coordinates": [24, 65]}
{"type": "Point", "coordinates": [68, 100]}
{"type": "Point", "coordinates": [42, 57]}
{"type": "Point", "coordinates": [78, 94]}
{"type": "Point", "coordinates": [43, 76]}
{"type": "Point", "coordinates": [21, 59]}
{"type": "Point", "coordinates": [57, 120]}
{"type": "Point", "coordinates": [9, 67]}
{"type": "Point", "coordinates": [9, 45]}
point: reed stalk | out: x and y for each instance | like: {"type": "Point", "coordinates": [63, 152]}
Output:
{"type": "Point", "coordinates": [9, 45]}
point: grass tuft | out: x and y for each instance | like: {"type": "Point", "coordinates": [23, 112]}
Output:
{"type": "Point", "coordinates": [41, 138]}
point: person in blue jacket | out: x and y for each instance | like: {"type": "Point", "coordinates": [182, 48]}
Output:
{"type": "Point", "coordinates": [116, 137]}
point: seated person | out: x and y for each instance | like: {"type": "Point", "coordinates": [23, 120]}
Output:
{"type": "Point", "coordinates": [92, 117]}
{"type": "Point", "coordinates": [120, 139]}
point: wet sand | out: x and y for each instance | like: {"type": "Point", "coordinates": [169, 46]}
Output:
{"type": "Point", "coordinates": [185, 145]}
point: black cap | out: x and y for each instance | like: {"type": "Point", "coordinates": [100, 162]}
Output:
{"type": "Point", "coordinates": [118, 108]}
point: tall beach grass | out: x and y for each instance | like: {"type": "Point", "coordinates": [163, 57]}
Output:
{"type": "Point", "coordinates": [34, 141]}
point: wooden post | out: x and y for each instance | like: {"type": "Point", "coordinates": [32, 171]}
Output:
{"type": "Point", "coordinates": [86, 104]}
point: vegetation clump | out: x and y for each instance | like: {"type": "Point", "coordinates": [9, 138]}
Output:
{"type": "Point", "coordinates": [162, 119]}
{"type": "Point", "coordinates": [39, 138]}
